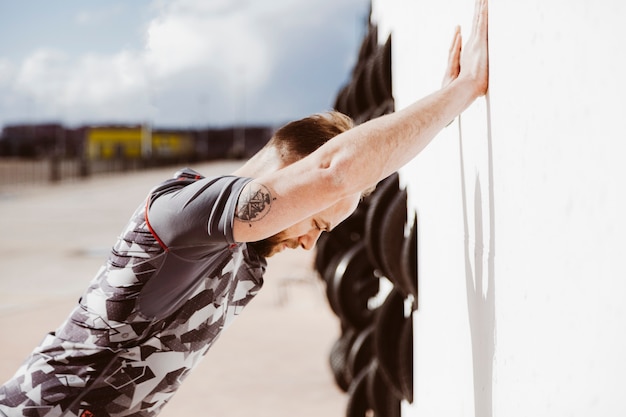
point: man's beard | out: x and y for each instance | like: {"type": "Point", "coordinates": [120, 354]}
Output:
{"type": "Point", "coordinates": [272, 245]}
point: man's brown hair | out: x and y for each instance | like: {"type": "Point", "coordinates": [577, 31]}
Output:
{"type": "Point", "coordinates": [299, 138]}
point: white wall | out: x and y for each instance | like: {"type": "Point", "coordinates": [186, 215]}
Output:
{"type": "Point", "coordinates": [522, 227]}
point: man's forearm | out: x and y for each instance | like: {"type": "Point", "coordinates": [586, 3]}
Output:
{"type": "Point", "coordinates": [376, 149]}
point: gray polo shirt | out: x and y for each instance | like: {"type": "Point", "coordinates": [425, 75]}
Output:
{"type": "Point", "coordinates": [174, 280]}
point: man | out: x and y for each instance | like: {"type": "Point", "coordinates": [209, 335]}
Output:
{"type": "Point", "coordinates": [194, 254]}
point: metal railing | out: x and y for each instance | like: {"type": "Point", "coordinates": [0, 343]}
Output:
{"type": "Point", "coordinates": [22, 171]}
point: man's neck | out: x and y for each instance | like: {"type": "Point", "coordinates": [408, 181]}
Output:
{"type": "Point", "coordinates": [265, 161]}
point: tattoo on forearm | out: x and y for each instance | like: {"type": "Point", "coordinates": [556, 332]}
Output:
{"type": "Point", "coordinates": [254, 203]}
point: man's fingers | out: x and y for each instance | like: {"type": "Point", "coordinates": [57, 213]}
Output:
{"type": "Point", "coordinates": [456, 39]}
{"type": "Point", "coordinates": [454, 58]}
{"type": "Point", "coordinates": [454, 54]}
{"type": "Point", "coordinates": [480, 18]}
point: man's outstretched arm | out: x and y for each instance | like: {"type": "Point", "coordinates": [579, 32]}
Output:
{"type": "Point", "coordinates": [361, 157]}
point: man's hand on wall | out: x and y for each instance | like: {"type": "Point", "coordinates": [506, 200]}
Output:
{"type": "Point", "coordinates": [475, 53]}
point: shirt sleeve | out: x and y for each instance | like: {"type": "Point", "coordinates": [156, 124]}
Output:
{"type": "Point", "coordinates": [196, 214]}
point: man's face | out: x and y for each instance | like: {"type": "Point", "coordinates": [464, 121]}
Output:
{"type": "Point", "coordinates": [305, 233]}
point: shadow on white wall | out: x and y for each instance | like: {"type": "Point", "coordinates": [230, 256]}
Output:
{"type": "Point", "coordinates": [479, 270]}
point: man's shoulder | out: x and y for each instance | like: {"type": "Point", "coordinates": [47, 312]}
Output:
{"type": "Point", "coordinates": [188, 173]}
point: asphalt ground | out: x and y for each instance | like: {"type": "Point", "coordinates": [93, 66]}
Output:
{"type": "Point", "coordinates": [272, 361]}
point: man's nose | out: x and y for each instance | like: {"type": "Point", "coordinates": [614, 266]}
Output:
{"type": "Point", "coordinates": [308, 241]}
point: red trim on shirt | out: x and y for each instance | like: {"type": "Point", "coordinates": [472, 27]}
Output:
{"type": "Point", "coordinates": [152, 232]}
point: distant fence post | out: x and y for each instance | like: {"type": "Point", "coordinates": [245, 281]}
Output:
{"type": "Point", "coordinates": [83, 167]}
{"type": "Point", "coordinates": [55, 168]}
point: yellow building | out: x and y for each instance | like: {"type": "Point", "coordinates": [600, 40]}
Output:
{"type": "Point", "coordinates": [137, 142]}
{"type": "Point", "coordinates": [171, 144]}
{"type": "Point", "coordinates": [114, 142]}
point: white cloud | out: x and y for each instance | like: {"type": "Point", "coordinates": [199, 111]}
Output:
{"type": "Point", "coordinates": [61, 85]}
{"type": "Point", "coordinates": [7, 72]}
{"type": "Point", "coordinates": [214, 35]}
{"type": "Point", "coordinates": [200, 57]}
{"type": "Point", "coordinates": [41, 74]}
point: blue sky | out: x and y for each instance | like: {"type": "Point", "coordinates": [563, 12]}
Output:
{"type": "Point", "coordinates": [175, 63]}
